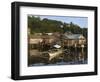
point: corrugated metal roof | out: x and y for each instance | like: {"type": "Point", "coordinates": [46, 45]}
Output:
{"type": "Point", "coordinates": [41, 36]}
{"type": "Point", "coordinates": [73, 36]}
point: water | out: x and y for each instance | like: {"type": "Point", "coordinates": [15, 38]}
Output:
{"type": "Point", "coordinates": [75, 56]}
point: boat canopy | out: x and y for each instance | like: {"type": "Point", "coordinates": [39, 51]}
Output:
{"type": "Point", "coordinates": [57, 46]}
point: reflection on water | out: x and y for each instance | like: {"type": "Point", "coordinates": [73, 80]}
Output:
{"type": "Point", "coordinates": [72, 56]}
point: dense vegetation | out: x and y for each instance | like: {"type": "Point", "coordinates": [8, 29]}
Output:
{"type": "Point", "coordinates": [48, 25]}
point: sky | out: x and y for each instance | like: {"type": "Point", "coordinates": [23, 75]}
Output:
{"type": "Point", "coordinates": [81, 21]}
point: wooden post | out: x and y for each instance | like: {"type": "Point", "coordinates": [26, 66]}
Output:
{"type": "Point", "coordinates": [82, 46]}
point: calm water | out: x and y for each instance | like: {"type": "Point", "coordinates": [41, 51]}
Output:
{"type": "Point", "coordinates": [71, 57]}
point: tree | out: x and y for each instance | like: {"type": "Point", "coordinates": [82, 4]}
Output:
{"type": "Point", "coordinates": [45, 25]}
